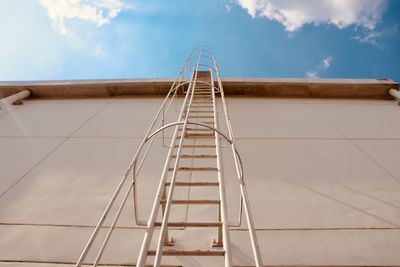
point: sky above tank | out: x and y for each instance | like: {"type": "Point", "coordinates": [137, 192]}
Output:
{"type": "Point", "coordinates": [103, 39]}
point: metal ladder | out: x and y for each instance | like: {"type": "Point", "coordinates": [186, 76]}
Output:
{"type": "Point", "coordinates": [197, 137]}
{"type": "Point", "coordinates": [201, 108]}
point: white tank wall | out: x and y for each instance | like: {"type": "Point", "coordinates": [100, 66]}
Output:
{"type": "Point", "coordinates": [323, 178]}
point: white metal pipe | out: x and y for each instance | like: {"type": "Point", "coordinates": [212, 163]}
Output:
{"type": "Point", "coordinates": [164, 224]}
{"type": "Point", "coordinates": [9, 100]}
{"type": "Point", "coordinates": [137, 170]}
{"type": "Point", "coordinates": [112, 227]}
{"type": "Point", "coordinates": [122, 182]}
{"type": "Point", "coordinates": [156, 205]}
{"type": "Point", "coordinates": [250, 222]}
{"type": "Point", "coordinates": [226, 241]}
{"type": "Point", "coordinates": [111, 202]}
{"type": "Point", "coordinates": [395, 93]}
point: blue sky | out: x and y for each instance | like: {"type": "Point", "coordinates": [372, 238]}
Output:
{"type": "Point", "coordinates": [103, 39]}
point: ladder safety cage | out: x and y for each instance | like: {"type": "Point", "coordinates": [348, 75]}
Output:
{"type": "Point", "coordinates": [198, 121]}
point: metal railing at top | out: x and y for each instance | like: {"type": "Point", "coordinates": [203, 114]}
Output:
{"type": "Point", "coordinates": [137, 162]}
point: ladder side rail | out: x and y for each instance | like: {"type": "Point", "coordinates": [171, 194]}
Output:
{"type": "Point", "coordinates": [166, 111]}
{"type": "Point", "coordinates": [165, 217]}
{"type": "Point", "coordinates": [226, 242]}
{"type": "Point", "coordinates": [175, 88]}
{"type": "Point", "coordinates": [100, 223]}
{"type": "Point", "coordinates": [136, 171]}
{"type": "Point", "coordinates": [138, 168]}
{"type": "Point", "coordinates": [181, 83]}
{"type": "Point", "coordinates": [156, 205]}
{"type": "Point", "coordinates": [243, 191]}
{"type": "Point", "coordinates": [112, 227]}
{"type": "Point", "coordinates": [234, 150]}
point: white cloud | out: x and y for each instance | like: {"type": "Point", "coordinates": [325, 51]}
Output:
{"type": "Point", "coordinates": [294, 14]}
{"type": "Point", "coordinates": [99, 12]}
{"type": "Point", "coordinates": [321, 67]}
{"type": "Point", "coordinates": [228, 4]}
{"type": "Point", "coordinates": [326, 62]}
{"type": "Point", "coordinates": [371, 37]}
{"type": "Point", "coordinates": [312, 75]}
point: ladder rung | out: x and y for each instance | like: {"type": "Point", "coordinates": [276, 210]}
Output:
{"type": "Point", "coordinates": [196, 146]}
{"type": "Point", "coordinates": [191, 224]}
{"type": "Point", "coordinates": [202, 111]}
{"type": "Point", "coordinates": [208, 133]}
{"type": "Point", "coordinates": [201, 117]}
{"type": "Point", "coordinates": [199, 135]}
{"type": "Point", "coordinates": [197, 129]}
{"type": "Point", "coordinates": [195, 136]}
{"type": "Point", "coordinates": [188, 253]}
{"type": "Point", "coordinates": [207, 122]}
{"type": "Point", "coordinates": [192, 201]}
{"type": "Point", "coordinates": [195, 156]}
{"type": "Point", "coordinates": [207, 104]}
{"type": "Point", "coordinates": [193, 184]}
{"type": "Point", "coordinates": [204, 106]}
{"type": "Point", "coordinates": [195, 169]}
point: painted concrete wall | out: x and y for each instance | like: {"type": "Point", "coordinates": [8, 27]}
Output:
{"type": "Point", "coordinates": [323, 178]}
